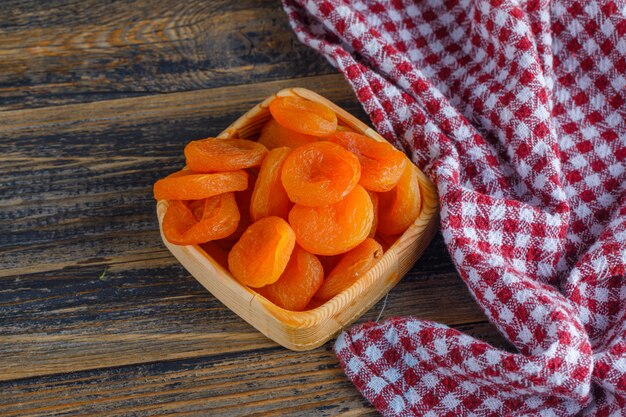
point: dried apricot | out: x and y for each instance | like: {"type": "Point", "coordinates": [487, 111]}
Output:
{"type": "Point", "coordinates": [189, 185]}
{"type": "Point", "coordinates": [274, 135]}
{"type": "Point", "coordinates": [350, 268]}
{"type": "Point", "coordinates": [269, 197]}
{"type": "Point", "coordinates": [374, 198]}
{"type": "Point", "coordinates": [301, 279]}
{"type": "Point", "coordinates": [211, 154]}
{"type": "Point", "coordinates": [320, 173]}
{"type": "Point", "coordinates": [303, 116]}
{"type": "Point", "coordinates": [381, 164]}
{"type": "Point", "coordinates": [398, 208]}
{"type": "Point", "coordinates": [216, 218]}
{"type": "Point", "coordinates": [262, 253]}
{"type": "Point", "coordinates": [336, 228]}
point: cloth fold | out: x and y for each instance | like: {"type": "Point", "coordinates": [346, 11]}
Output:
{"type": "Point", "coordinates": [516, 110]}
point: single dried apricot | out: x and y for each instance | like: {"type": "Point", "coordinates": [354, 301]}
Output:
{"type": "Point", "coordinates": [189, 185]}
{"type": "Point", "coordinates": [274, 135]}
{"type": "Point", "coordinates": [374, 198]}
{"type": "Point", "coordinates": [301, 279]}
{"type": "Point", "coordinates": [303, 116]}
{"type": "Point", "coordinates": [381, 164]}
{"type": "Point", "coordinates": [216, 218]}
{"type": "Point", "coordinates": [320, 173]}
{"type": "Point", "coordinates": [211, 154]}
{"type": "Point", "coordinates": [352, 266]}
{"type": "Point", "coordinates": [398, 208]}
{"type": "Point", "coordinates": [262, 253]}
{"type": "Point", "coordinates": [269, 197]}
{"type": "Point", "coordinates": [336, 228]}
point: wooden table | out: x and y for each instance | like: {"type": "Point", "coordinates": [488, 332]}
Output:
{"type": "Point", "coordinates": [97, 100]}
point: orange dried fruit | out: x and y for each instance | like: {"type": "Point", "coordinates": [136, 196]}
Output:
{"type": "Point", "coordinates": [374, 198]}
{"type": "Point", "coordinates": [336, 228]}
{"type": "Point", "coordinates": [189, 185]}
{"type": "Point", "coordinates": [352, 266]}
{"type": "Point", "coordinates": [274, 135]}
{"type": "Point", "coordinates": [303, 116]}
{"type": "Point", "coordinates": [262, 253]}
{"type": "Point", "coordinates": [214, 218]}
{"type": "Point", "coordinates": [269, 197]}
{"type": "Point", "coordinates": [320, 173]}
{"type": "Point", "coordinates": [301, 279]}
{"type": "Point", "coordinates": [381, 164]}
{"type": "Point", "coordinates": [211, 154]}
{"type": "Point", "coordinates": [398, 208]}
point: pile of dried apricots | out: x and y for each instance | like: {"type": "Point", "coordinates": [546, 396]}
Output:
{"type": "Point", "coordinates": [297, 215]}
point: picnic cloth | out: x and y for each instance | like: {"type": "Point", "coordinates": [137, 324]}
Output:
{"type": "Point", "coordinates": [516, 109]}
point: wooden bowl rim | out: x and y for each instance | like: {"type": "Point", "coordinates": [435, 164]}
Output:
{"type": "Point", "coordinates": [309, 318]}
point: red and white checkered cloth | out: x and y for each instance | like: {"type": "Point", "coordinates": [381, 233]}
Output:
{"type": "Point", "coordinates": [517, 110]}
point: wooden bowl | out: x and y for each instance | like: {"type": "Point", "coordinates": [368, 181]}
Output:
{"type": "Point", "coordinates": [309, 329]}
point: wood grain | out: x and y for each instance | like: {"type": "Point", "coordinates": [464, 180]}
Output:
{"type": "Point", "coordinates": [140, 312]}
{"type": "Point", "coordinates": [97, 100]}
{"type": "Point", "coordinates": [59, 52]}
{"type": "Point", "coordinates": [157, 125]}
{"type": "Point", "coordinates": [266, 382]}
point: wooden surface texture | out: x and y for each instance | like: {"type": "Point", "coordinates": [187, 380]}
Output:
{"type": "Point", "coordinates": [97, 99]}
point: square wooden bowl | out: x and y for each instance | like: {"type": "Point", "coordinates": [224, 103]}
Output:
{"type": "Point", "coordinates": [309, 329]}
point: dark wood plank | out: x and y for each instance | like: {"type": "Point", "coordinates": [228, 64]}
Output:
{"type": "Point", "coordinates": [266, 382]}
{"type": "Point", "coordinates": [64, 51]}
{"type": "Point", "coordinates": [150, 310]}
{"type": "Point", "coordinates": [157, 125]}
{"type": "Point", "coordinates": [75, 211]}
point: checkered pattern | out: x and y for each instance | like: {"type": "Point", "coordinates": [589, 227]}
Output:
{"type": "Point", "coordinates": [517, 110]}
